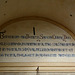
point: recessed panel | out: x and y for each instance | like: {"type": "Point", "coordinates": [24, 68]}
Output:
{"type": "Point", "coordinates": [36, 41]}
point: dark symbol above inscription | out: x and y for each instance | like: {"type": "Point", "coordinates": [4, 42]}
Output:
{"type": "Point", "coordinates": [34, 30]}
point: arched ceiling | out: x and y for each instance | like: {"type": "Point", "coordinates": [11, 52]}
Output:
{"type": "Point", "coordinates": [61, 11]}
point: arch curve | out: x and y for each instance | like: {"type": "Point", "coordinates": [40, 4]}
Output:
{"type": "Point", "coordinates": [37, 18]}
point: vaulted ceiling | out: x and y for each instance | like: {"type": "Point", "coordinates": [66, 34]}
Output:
{"type": "Point", "coordinates": [61, 11]}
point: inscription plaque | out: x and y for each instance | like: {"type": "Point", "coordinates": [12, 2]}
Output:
{"type": "Point", "coordinates": [36, 41]}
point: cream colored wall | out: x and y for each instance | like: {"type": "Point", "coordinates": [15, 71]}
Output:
{"type": "Point", "coordinates": [62, 11]}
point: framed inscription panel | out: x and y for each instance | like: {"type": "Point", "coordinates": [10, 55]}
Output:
{"type": "Point", "coordinates": [36, 42]}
